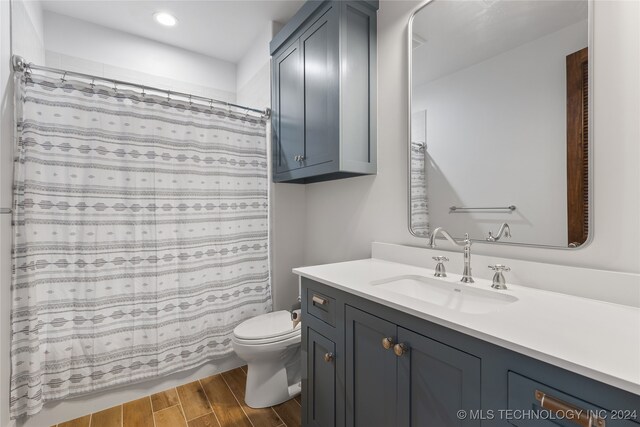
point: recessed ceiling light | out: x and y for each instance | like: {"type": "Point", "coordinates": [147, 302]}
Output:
{"type": "Point", "coordinates": [165, 18]}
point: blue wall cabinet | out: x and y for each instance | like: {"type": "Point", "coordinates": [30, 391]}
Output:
{"type": "Point", "coordinates": [323, 93]}
{"type": "Point", "coordinates": [289, 105]}
{"type": "Point", "coordinates": [390, 369]}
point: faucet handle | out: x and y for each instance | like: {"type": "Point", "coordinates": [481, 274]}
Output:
{"type": "Point", "coordinates": [498, 279]}
{"type": "Point", "coordinates": [440, 271]}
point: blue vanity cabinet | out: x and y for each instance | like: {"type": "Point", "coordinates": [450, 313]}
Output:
{"type": "Point", "coordinates": [323, 93]}
{"type": "Point", "coordinates": [440, 372]}
{"type": "Point", "coordinates": [435, 381]}
{"type": "Point", "coordinates": [371, 371]}
{"type": "Point", "coordinates": [395, 377]}
{"type": "Point", "coordinates": [322, 384]}
{"type": "Point", "coordinates": [322, 359]}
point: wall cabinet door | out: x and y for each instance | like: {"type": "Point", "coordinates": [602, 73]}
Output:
{"type": "Point", "coordinates": [370, 371]}
{"type": "Point", "coordinates": [319, 46]}
{"type": "Point", "coordinates": [435, 381]}
{"type": "Point", "coordinates": [288, 112]}
{"type": "Point", "coordinates": [321, 393]}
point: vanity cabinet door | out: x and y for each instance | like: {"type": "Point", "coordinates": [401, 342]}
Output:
{"type": "Point", "coordinates": [371, 371]}
{"type": "Point", "coordinates": [288, 111]}
{"type": "Point", "coordinates": [435, 381]}
{"type": "Point", "coordinates": [321, 394]}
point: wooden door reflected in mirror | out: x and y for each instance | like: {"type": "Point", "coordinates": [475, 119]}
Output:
{"type": "Point", "coordinates": [578, 147]}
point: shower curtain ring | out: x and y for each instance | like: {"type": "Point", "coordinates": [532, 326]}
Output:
{"type": "Point", "coordinates": [168, 95]}
{"type": "Point", "coordinates": [211, 104]}
{"type": "Point", "coordinates": [143, 93]}
{"type": "Point", "coordinates": [115, 87]}
{"type": "Point", "coordinates": [93, 83]}
{"type": "Point", "coordinates": [62, 80]}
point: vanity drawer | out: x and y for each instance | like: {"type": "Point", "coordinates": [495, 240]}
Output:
{"type": "Point", "coordinates": [321, 306]}
{"type": "Point", "coordinates": [527, 396]}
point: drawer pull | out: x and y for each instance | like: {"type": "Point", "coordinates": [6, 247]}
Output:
{"type": "Point", "coordinates": [328, 357]}
{"type": "Point", "coordinates": [318, 300]}
{"type": "Point", "coordinates": [568, 412]}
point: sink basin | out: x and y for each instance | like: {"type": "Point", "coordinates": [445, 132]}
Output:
{"type": "Point", "coordinates": [451, 295]}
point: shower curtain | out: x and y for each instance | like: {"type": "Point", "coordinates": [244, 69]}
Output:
{"type": "Point", "coordinates": [140, 236]}
{"type": "Point", "coordinates": [419, 209]}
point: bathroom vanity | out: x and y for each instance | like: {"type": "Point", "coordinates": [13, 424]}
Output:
{"type": "Point", "coordinates": [387, 344]}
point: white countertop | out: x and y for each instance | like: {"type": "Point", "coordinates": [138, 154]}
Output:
{"type": "Point", "coordinates": [599, 340]}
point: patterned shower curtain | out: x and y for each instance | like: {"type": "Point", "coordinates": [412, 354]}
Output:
{"type": "Point", "coordinates": [140, 236]}
{"type": "Point", "coordinates": [419, 209]}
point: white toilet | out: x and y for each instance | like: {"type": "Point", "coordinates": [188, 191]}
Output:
{"type": "Point", "coordinates": [271, 347]}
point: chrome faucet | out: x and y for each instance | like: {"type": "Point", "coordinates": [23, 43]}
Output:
{"type": "Point", "coordinates": [466, 244]}
{"type": "Point", "coordinates": [504, 231]}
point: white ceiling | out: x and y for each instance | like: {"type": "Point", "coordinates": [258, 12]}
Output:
{"type": "Point", "coordinates": [222, 29]}
{"type": "Point", "coordinates": [458, 34]}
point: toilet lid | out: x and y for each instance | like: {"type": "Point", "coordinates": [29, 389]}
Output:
{"type": "Point", "coordinates": [269, 325]}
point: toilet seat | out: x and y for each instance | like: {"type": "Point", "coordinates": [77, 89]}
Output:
{"type": "Point", "coordinates": [269, 343]}
{"type": "Point", "coordinates": [266, 329]}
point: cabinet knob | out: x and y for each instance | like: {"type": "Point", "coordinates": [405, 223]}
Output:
{"type": "Point", "coordinates": [400, 349]}
{"type": "Point", "coordinates": [387, 343]}
{"type": "Point", "coordinates": [328, 357]}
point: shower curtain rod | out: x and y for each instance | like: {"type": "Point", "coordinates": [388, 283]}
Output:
{"type": "Point", "coordinates": [20, 64]}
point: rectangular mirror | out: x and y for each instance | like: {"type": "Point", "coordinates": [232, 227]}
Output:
{"type": "Point", "coordinates": [499, 123]}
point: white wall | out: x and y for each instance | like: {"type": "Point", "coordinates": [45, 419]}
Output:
{"type": "Point", "coordinates": [253, 67]}
{"type": "Point", "coordinates": [28, 30]}
{"type": "Point", "coordinates": [344, 216]}
{"type": "Point", "coordinates": [504, 117]}
{"type": "Point", "coordinates": [77, 45]}
{"type": "Point", "coordinates": [288, 210]}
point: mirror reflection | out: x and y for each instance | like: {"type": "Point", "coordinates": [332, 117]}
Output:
{"type": "Point", "coordinates": [499, 121]}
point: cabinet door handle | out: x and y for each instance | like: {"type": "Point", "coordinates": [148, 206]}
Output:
{"type": "Point", "coordinates": [400, 349]}
{"type": "Point", "coordinates": [568, 412]}
{"type": "Point", "coordinates": [318, 300]}
{"type": "Point", "coordinates": [328, 357]}
{"type": "Point", "coordinates": [387, 343]}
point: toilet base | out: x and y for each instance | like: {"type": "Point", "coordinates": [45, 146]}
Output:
{"type": "Point", "coordinates": [267, 385]}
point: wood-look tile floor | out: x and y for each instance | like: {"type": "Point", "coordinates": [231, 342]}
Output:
{"type": "Point", "coordinates": [216, 401]}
